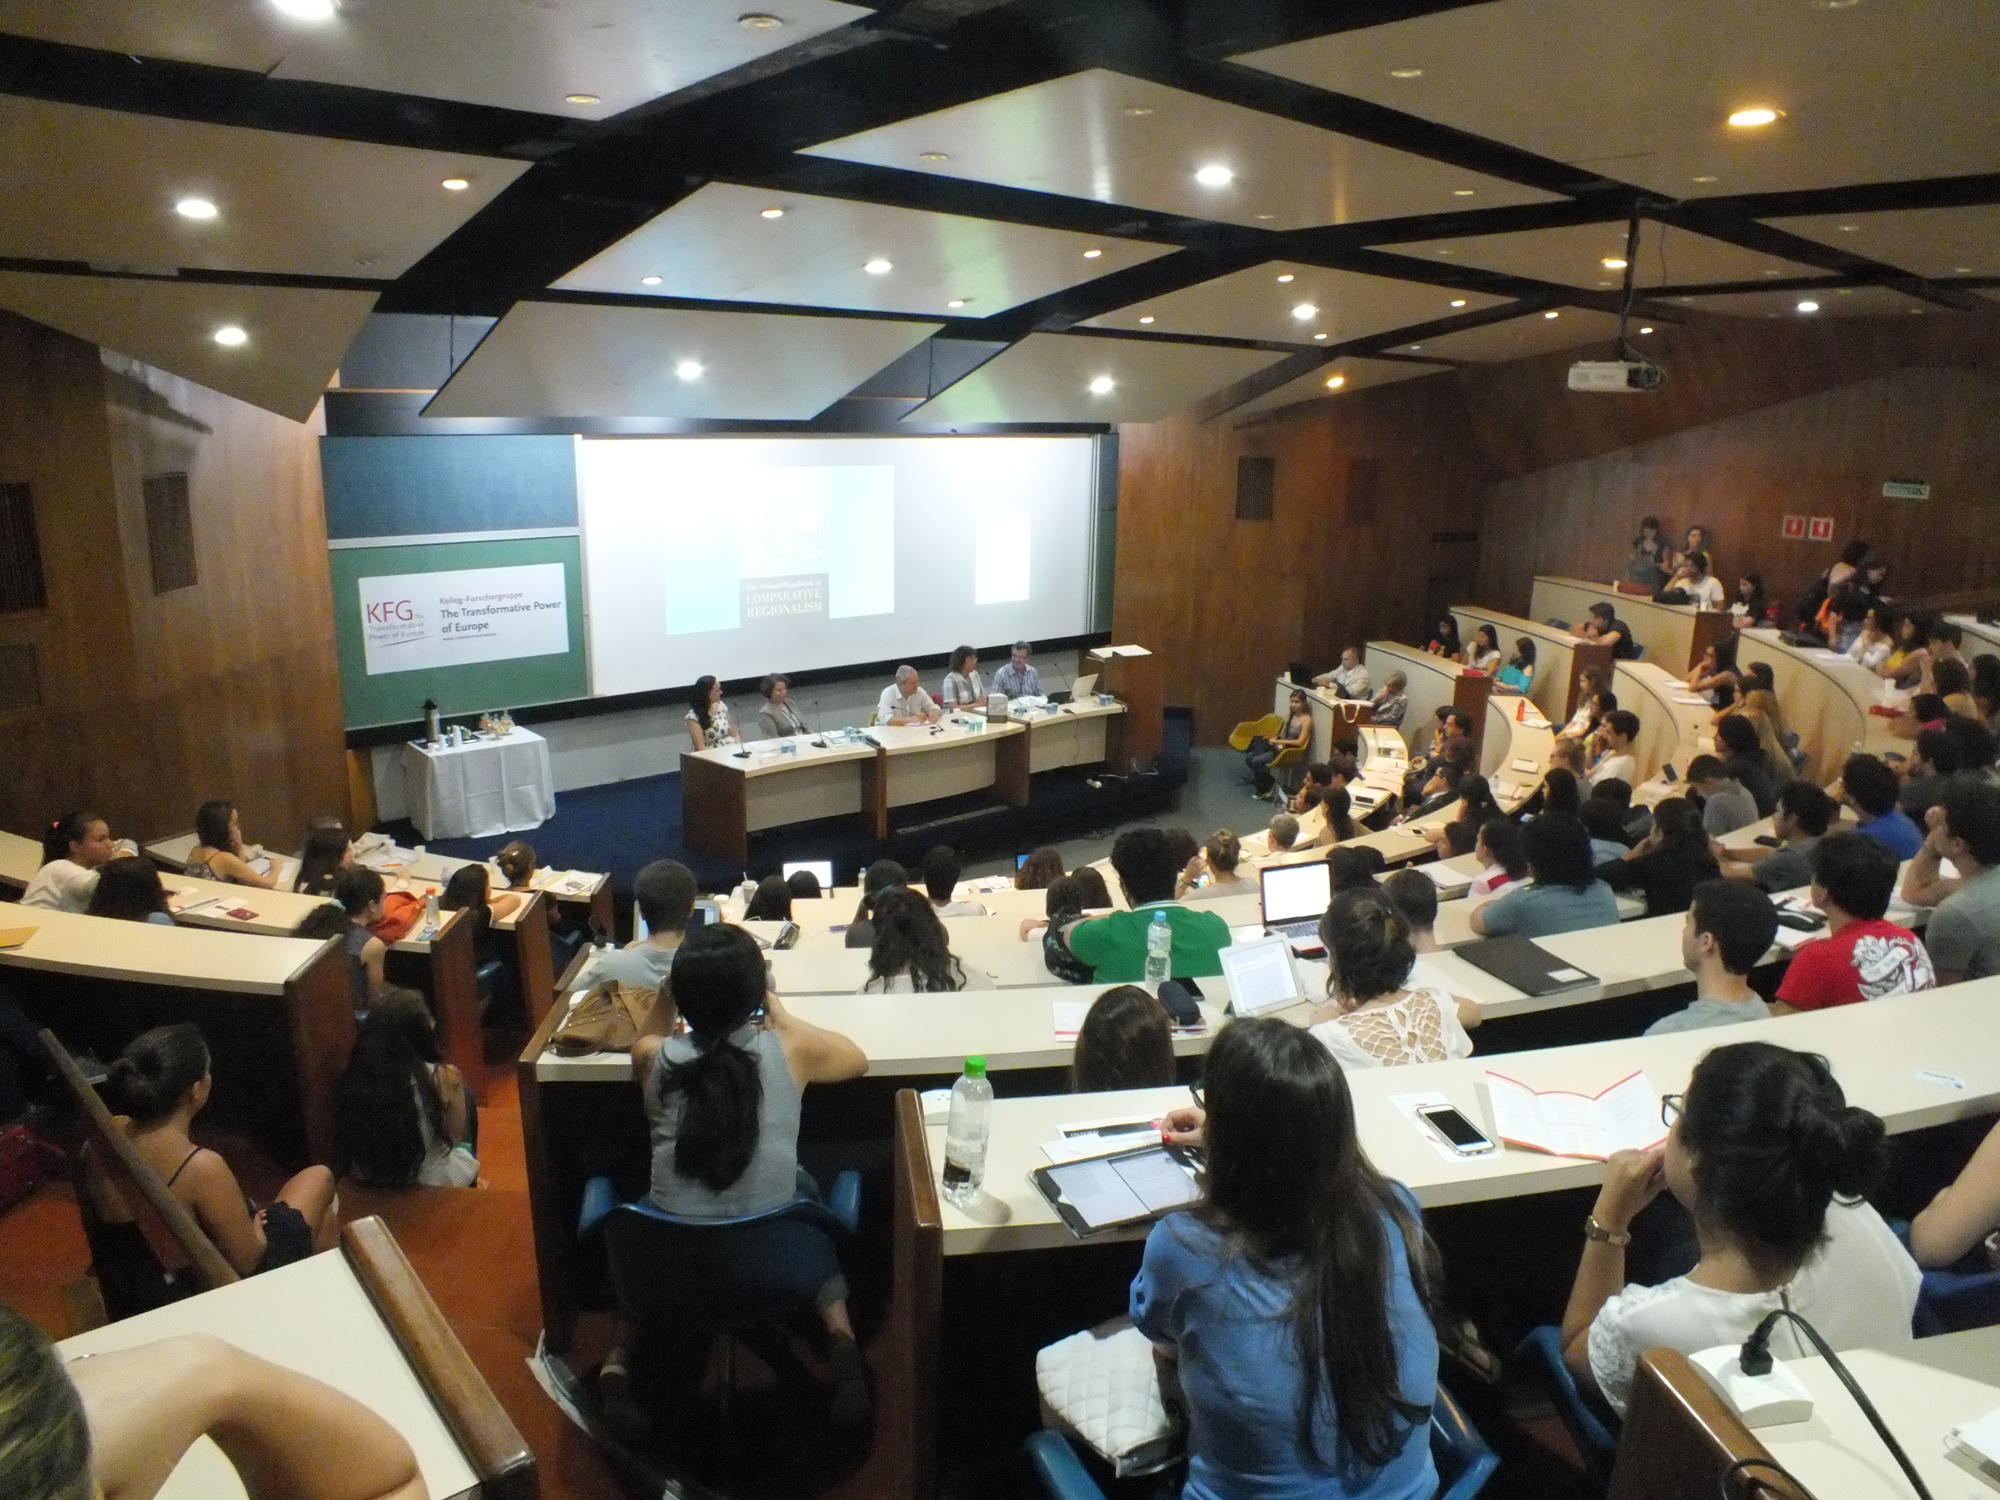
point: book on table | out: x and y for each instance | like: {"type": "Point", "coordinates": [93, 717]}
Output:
{"type": "Point", "coordinates": [1625, 1116]}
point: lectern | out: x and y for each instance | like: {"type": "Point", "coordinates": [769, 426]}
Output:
{"type": "Point", "coordinates": [1132, 673]}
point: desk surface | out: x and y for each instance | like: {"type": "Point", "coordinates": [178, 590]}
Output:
{"type": "Point", "coordinates": [1880, 1051]}
{"type": "Point", "coordinates": [1922, 1390]}
{"type": "Point", "coordinates": [145, 952]}
{"type": "Point", "coordinates": [314, 1317]}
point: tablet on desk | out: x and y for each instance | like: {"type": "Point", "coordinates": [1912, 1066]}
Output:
{"type": "Point", "coordinates": [1131, 1187]}
{"type": "Point", "coordinates": [1261, 976]}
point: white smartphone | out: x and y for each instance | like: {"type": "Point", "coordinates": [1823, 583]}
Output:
{"type": "Point", "coordinates": [1457, 1132]}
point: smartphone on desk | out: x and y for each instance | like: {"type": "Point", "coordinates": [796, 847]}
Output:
{"type": "Point", "coordinates": [1457, 1132]}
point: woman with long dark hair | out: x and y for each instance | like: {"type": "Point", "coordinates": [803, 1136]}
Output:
{"type": "Point", "coordinates": [403, 1114]}
{"type": "Point", "coordinates": [1338, 808]}
{"type": "Point", "coordinates": [723, 1101]}
{"type": "Point", "coordinates": [1483, 655]}
{"type": "Point", "coordinates": [1040, 867]}
{"type": "Point", "coordinates": [1770, 1159]}
{"type": "Point", "coordinates": [1125, 1042]}
{"type": "Point", "coordinates": [1668, 863]}
{"type": "Point", "coordinates": [1290, 1309]}
{"type": "Point", "coordinates": [1373, 1016]}
{"type": "Point", "coordinates": [219, 852]}
{"type": "Point", "coordinates": [770, 902]}
{"type": "Point", "coordinates": [708, 715]}
{"type": "Point", "coordinates": [328, 851]}
{"type": "Point", "coordinates": [129, 888]}
{"type": "Point", "coordinates": [74, 848]}
{"type": "Point", "coordinates": [1444, 639]}
{"type": "Point", "coordinates": [911, 953]}
{"type": "Point", "coordinates": [1518, 675]}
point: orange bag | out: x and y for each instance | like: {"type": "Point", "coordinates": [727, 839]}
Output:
{"type": "Point", "coordinates": [401, 912]}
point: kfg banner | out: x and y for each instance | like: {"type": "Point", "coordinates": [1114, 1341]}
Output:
{"type": "Point", "coordinates": [415, 620]}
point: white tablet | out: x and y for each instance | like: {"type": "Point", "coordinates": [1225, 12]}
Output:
{"type": "Point", "coordinates": [1261, 976]}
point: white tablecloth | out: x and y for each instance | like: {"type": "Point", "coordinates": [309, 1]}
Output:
{"type": "Point", "coordinates": [479, 788]}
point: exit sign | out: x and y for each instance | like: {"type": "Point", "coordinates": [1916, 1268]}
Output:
{"type": "Point", "coordinates": [1905, 489]}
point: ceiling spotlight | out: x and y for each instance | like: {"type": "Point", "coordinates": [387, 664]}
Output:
{"type": "Point", "coordinates": [1463, 192]}
{"type": "Point", "coordinates": [1849, 228]}
{"type": "Point", "coordinates": [1147, 318]}
{"type": "Point", "coordinates": [1265, 218]}
{"type": "Point", "coordinates": [956, 302]}
{"type": "Point", "coordinates": [689, 369]}
{"type": "Point", "coordinates": [1447, 251]}
{"type": "Point", "coordinates": [1092, 254]}
{"type": "Point", "coordinates": [879, 267]}
{"type": "Point", "coordinates": [1613, 263]}
{"type": "Point", "coordinates": [1413, 348]}
{"type": "Point", "coordinates": [455, 184]}
{"type": "Point", "coordinates": [1214, 175]}
{"type": "Point", "coordinates": [229, 336]}
{"type": "Point", "coordinates": [1807, 306]}
{"type": "Point", "coordinates": [1834, 4]}
{"type": "Point", "coordinates": [933, 156]}
{"type": "Point", "coordinates": [1305, 312]}
{"type": "Point", "coordinates": [1138, 111]}
{"type": "Point", "coordinates": [1288, 276]}
{"type": "Point", "coordinates": [1752, 117]}
{"type": "Point", "coordinates": [1406, 72]}
{"type": "Point", "coordinates": [651, 280]}
{"type": "Point", "coordinates": [1102, 385]}
{"type": "Point", "coordinates": [758, 20]}
{"type": "Point", "coordinates": [1319, 338]}
{"type": "Point", "coordinates": [1647, 329]}
{"type": "Point", "coordinates": [770, 213]}
{"type": "Point", "coordinates": [1335, 382]}
{"type": "Point", "coordinates": [1961, 270]}
{"type": "Point", "coordinates": [1703, 177]}
{"type": "Point", "coordinates": [1552, 313]}
{"type": "Point", "coordinates": [306, 10]}
{"type": "Point", "coordinates": [1773, 273]}
{"type": "Point", "coordinates": [1458, 302]}
{"type": "Point", "coordinates": [581, 99]}
{"type": "Point", "coordinates": [195, 208]}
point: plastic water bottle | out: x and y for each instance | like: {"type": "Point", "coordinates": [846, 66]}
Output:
{"type": "Point", "coordinates": [430, 914]}
{"type": "Point", "coordinates": [1159, 952]}
{"type": "Point", "coordinates": [965, 1133]}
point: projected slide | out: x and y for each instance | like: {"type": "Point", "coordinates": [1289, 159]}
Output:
{"type": "Point", "coordinates": [740, 556]}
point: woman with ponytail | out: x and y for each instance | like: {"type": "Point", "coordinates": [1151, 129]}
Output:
{"type": "Point", "coordinates": [723, 1100]}
{"type": "Point", "coordinates": [75, 848]}
{"type": "Point", "coordinates": [1290, 1309]}
{"type": "Point", "coordinates": [1770, 1159]}
{"type": "Point", "coordinates": [1372, 1016]}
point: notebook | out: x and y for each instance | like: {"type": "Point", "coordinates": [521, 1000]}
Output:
{"type": "Point", "coordinates": [1525, 964]}
{"type": "Point", "coordinates": [1294, 897]}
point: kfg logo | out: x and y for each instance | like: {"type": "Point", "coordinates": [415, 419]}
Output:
{"type": "Point", "coordinates": [386, 610]}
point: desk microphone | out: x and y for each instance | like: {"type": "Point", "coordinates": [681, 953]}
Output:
{"type": "Point", "coordinates": [872, 740]}
{"type": "Point", "coordinates": [820, 743]}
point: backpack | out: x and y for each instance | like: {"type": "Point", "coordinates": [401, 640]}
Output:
{"type": "Point", "coordinates": [605, 1018]}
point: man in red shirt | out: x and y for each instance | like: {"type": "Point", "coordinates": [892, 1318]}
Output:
{"type": "Point", "coordinates": [1862, 957]}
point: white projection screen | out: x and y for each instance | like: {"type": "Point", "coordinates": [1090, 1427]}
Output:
{"type": "Point", "coordinates": [740, 556]}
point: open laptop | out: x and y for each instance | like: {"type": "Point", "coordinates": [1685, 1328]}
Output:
{"type": "Point", "coordinates": [1294, 898]}
{"type": "Point", "coordinates": [820, 870]}
{"type": "Point", "coordinates": [1084, 689]}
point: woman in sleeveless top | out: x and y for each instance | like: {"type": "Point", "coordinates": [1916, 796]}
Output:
{"type": "Point", "coordinates": [219, 852]}
{"type": "Point", "coordinates": [722, 1099]}
{"type": "Point", "coordinates": [1372, 1019]}
{"type": "Point", "coordinates": [162, 1081]}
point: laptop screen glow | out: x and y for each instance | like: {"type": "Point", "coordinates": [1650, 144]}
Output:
{"type": "Point", "coordinates": [1295, 893]}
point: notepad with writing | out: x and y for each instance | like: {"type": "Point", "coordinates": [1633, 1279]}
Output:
{"type": "Point", "coordinates": [1625, 1116]}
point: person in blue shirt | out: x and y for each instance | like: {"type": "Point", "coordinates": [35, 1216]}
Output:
{"type": "Point", "coordinates": [1289, 1309]}
{"type": "Point", "coordinates": [1564, 895]}
{"type": "Point", "coordinates": [1871, 789]}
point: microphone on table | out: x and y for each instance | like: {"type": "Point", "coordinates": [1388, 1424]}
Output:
{"type": "Point", "coordinates": [1063, 689]}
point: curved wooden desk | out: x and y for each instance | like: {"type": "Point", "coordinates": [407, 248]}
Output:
{"type": "Point", "coordinates": [1673, 635]}
{"type": "Point", "coordinates": [1826, 698]}
{"type": "Point", "coordinates": [1674, 724]}
{"type": "Point", "coordinates": [1560, 658]}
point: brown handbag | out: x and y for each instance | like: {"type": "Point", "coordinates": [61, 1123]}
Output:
{"type": "Point", "coordinates": [606, 1019]}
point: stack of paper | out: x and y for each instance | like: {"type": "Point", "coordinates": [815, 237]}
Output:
{"type": "Point", "coordinates": [1625, 1116]}
{"type": "Point", "coordinates": [1978, 1445]}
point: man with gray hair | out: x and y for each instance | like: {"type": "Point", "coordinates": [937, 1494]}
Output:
{"type": "Point", "coordinates": [904, 701]}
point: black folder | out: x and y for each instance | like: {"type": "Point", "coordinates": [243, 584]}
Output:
{"type": "Point", "coordinates": [1525, 964]}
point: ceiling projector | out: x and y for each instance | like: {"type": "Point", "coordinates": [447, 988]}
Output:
{"type": "Point", "coordinates": [1623, 375]}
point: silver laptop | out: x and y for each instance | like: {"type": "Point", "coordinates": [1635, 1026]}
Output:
{"type": "Point", "coordinates": [1294, 898]}
{"type": "Point", "coordinates": [1086, 688]}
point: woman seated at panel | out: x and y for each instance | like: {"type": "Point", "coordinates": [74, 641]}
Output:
{"type": "Point", "coordinates": [75, 847]}
{"type": "Point", "coordinates": [129, 889]}
{"type": "Point", "coordinates": [1301, 1272]}
{"type": "Point", "coordinates": [1372, 1017]}
{"type": "Point", "coordinates": [708, 716]}
{"type": "Point", "coordinates": [778, 719]}
{"type": "Point", "coordinates": [162, 1082]}
{"type": "Point", "coordinates": [1772, 1162]}
{"type": "Point", "coordinates": [219, 852]}
{"type": "Point", "coordinates": [723, 1101]}
{"type": "Point", "coordinates": [404, 1115]}
{"type": "Point", "coordinates": [1215, 871]}
{"type": "Point", "coordinates": [328, 851]}
{"type": "Point", "coordinates": [911, 954]}
{"type": "Point", "coordinates": [1126, 1042]}
{"type": "Point", "coordinates": [1518, 675]}
{"type": "Point", "coordinates": [964, 688]}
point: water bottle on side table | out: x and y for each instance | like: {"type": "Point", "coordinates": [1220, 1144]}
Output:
{"type": "Point", "coordinates": [1159, 952]}
{"type": "Point", "coordinates": [431, 914]}
{"type": "Point", "coordinates": [965, 1133]}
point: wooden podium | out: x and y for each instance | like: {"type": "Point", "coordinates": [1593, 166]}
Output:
{"type": "Point", "coordinates": [1132, 674]}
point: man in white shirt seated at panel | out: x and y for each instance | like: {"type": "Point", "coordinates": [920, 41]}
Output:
{"type": "Point", "coordinates": [904, 701]}
{"type": "Point", "coordinates": [1348, 680]}
{"type": "Point", "coordinates": [1702, 587]}
{"type": "Point", "coordinates": [1017, 679]}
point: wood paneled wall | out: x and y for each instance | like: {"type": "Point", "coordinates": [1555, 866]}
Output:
{"type": "Point", "coordinates": [1398, 500]}
{"type": "Point", "coordinates": [152, 703]}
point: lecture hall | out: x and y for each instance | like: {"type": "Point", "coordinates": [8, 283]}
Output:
{"type": "Point", "coordinates": [1317, 688]}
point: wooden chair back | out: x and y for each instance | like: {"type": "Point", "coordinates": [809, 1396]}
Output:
{"type": "Point", "coordinates": [172, 1232]}
{"type": "Point", "coordinates": [1681, 1438]}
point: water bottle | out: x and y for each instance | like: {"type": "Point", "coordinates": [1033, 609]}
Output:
{"type": "Point", "coordinates": [966, 1131]}
{"type": "Point", "coordinates": [1159, 952]}
{"type": "Point", "coordinates": [430, 914]}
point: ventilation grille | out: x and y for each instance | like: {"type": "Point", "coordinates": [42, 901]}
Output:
{"type": "Point", "coordinates": [21, 582]}
{"type": "Point", "coordinates": [1256, 482]}
{"type": "Point", "coordinates": [170, 532]}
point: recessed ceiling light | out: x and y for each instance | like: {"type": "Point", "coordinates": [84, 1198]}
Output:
{"type": "Point", "coordinates": [774, 212]}
{"type": "Point", "coordinates": [1753, 116]}
{"type": "Point", "coordinates": [933, 156]}
{"type": "Point", "coordinates": [1413, 348]}
{"type": "Point", "coordinates": [1305, 312]}
{"type": "Point", "coordinates": [1833, 4]}
{"type": "Point", "coordinates": [956, 302]}
{"type": "Point", "coordinates": [1406, 72]}
{"type": "Point", "coordinates": [1961, 270]}
{"type": "Point", "coordinates": [1092, 254]}
{"type": "Point", "coordinates": [581, 99]}
{"type": "Point", "coordinates": [1703, 177]}
{"type": "Point", "coordinates": [1147, 318]}
{"type": "Point", "coordinates": [1463, 192]}
{"type": "Point", "coordinates": [1552, 313]}
{"type": "Point", "coordinates": [1287, 277]}
{"type": "Point", "coordinates": [1604, 283]}
{"type": "Point", "coordinates": [1102, 385]}
{"type": "Point", "coordinates": [1335, 382]}
{"type": "Point", "coordinates": [1138, 111]}
{"type": "Point", "coordinates": [1915, 311]}
{"type": "Point", "coordinates": [758, 20]}
{"type": "Point", "coordinates": [455, 184]}
{"type": "Point", "coordinates": [306, 10]}
{"type": "Point", "coordinates": [1843, 291]}
{"type": "Point", "coordinates": [1215, 175]}
{"type": "Point", "coordinates": [1807, 306]}
{"type": "Point", "coordinates": [1265, 218]}
{"type": "Point", "coordinates": [879, 267]}
{"type": "Point", "coordinates": [230, 336]}
{"type": "Point", "coordinates": [1772, 273]}
{"type": "Point", "coordinates": [1447, 251]}
{"type": "Point", "coordinates": [1613, 263]}
{"type": "Point", "coordinates": [651, 280]}
{"type": "Point", "coordinates": [689, 369]}
{"type": "Point", "coordinates": [1647, 329]}
{"type": "Point", "coordinates": [1319, 338]}
{"type": "Point", "coordinates": [195, 208]}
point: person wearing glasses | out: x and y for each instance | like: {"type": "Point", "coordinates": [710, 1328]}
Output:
{"type": "Point", "coordinates": [1730, 926]}
{"type": "Point", "coordinates": [1770, 1159]}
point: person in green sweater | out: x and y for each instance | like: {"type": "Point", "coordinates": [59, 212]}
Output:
{"type": "Point", "coordinates": [1114, 946]}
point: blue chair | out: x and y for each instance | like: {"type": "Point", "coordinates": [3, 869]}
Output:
{"type": "Point", "coordinates": [1464, 1462]}
{"type": "Point", "coordinates": [1951, 1301]}
{"type": "Point", "coordinates": [1590, 1425]}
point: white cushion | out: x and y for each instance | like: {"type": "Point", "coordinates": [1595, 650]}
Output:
{"type": "Point", "coordinates": [1102, 1387]}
